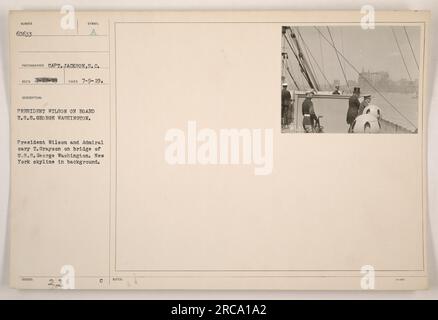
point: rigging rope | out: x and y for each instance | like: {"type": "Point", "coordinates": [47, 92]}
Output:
{"type": "Point", "coordinates": [401, 53]}
{"type": "Point", "coordinates": [292, 77]}
{"type": "Point", "coordinates": [307, 52]}
{"type": "Point", "coordinates": [303, 72]}
{"type": "Point", "coordinates": [322, 56]}
{"type": "Point", "coordinates": [412, 50]}
{"type": "Point", "coordinates": [285, 64]}
{"type": "Point", "coordinates": [342, 45]}
{"type": "Point", "coordinates": [307, 68]}
{"type": "Point", "coordinates": [337, 55]}
{"type": "Point", "coordinates": [316, 62]}
{"type": "Point", "coordinates": [282, 57]}
{"type": "Point", "coordinates": [369, 83]}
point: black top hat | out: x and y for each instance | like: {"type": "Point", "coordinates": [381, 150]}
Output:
{"type": "Point", "coordinates": [356, 90]}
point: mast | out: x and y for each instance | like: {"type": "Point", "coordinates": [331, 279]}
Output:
{"type": "Point", "coordinates": [302, 61]}
{"type": "Point", "coordinates": [284, 62]}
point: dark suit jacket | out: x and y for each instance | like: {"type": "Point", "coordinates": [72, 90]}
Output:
{"type": "Point", "coordinates": [353, 109]}
{"type": "Point", "coordinates": [285, 97]}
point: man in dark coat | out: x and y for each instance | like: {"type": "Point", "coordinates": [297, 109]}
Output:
{"type": "Point", "coordinates": [353, 108]}
{"type": "Point", "coordinates": [286, 99]}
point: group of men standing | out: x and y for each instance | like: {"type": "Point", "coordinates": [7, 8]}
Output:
{"type": "Point", "coordinates": [355, 108]}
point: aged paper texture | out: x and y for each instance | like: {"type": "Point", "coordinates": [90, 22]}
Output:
{"type": "Point", "coordinates": [153, 150]}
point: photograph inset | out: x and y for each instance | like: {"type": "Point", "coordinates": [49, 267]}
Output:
{"type": "Point", "coordinates": [345, 79]}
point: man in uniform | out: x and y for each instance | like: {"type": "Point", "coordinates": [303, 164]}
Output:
{"type": "Point", "coordinates": [353, 108]}
{"type": "Point", "coordinates": [366, 101]}
{"type": "Point", "coordinates": [285, 105]}
{"type": "Point", "coordinates": [309, 116]}
{"type": "Point", "coordinates": [337, 91]}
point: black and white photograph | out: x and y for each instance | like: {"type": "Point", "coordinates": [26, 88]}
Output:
{"type": "Point", "coordinates": [350, 79]}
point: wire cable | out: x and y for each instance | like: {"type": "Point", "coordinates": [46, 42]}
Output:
{"type": "Point", "coordinates": [369, 83]}
{"type": "Point", "coordinates": [316, 62]}
{"type": "Point", "coordinates": [401, 53]}
{"type": "Point", "coordinates": [337, 55]}
{"type": "Point", "coordinates": [412, 50]}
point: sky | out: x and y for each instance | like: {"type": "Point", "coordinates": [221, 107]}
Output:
{"type": "Point", "coordinates": [373, 50]}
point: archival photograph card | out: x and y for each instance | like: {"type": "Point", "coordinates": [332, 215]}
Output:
{"type": "Point", "coordinates": [274, 150]}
